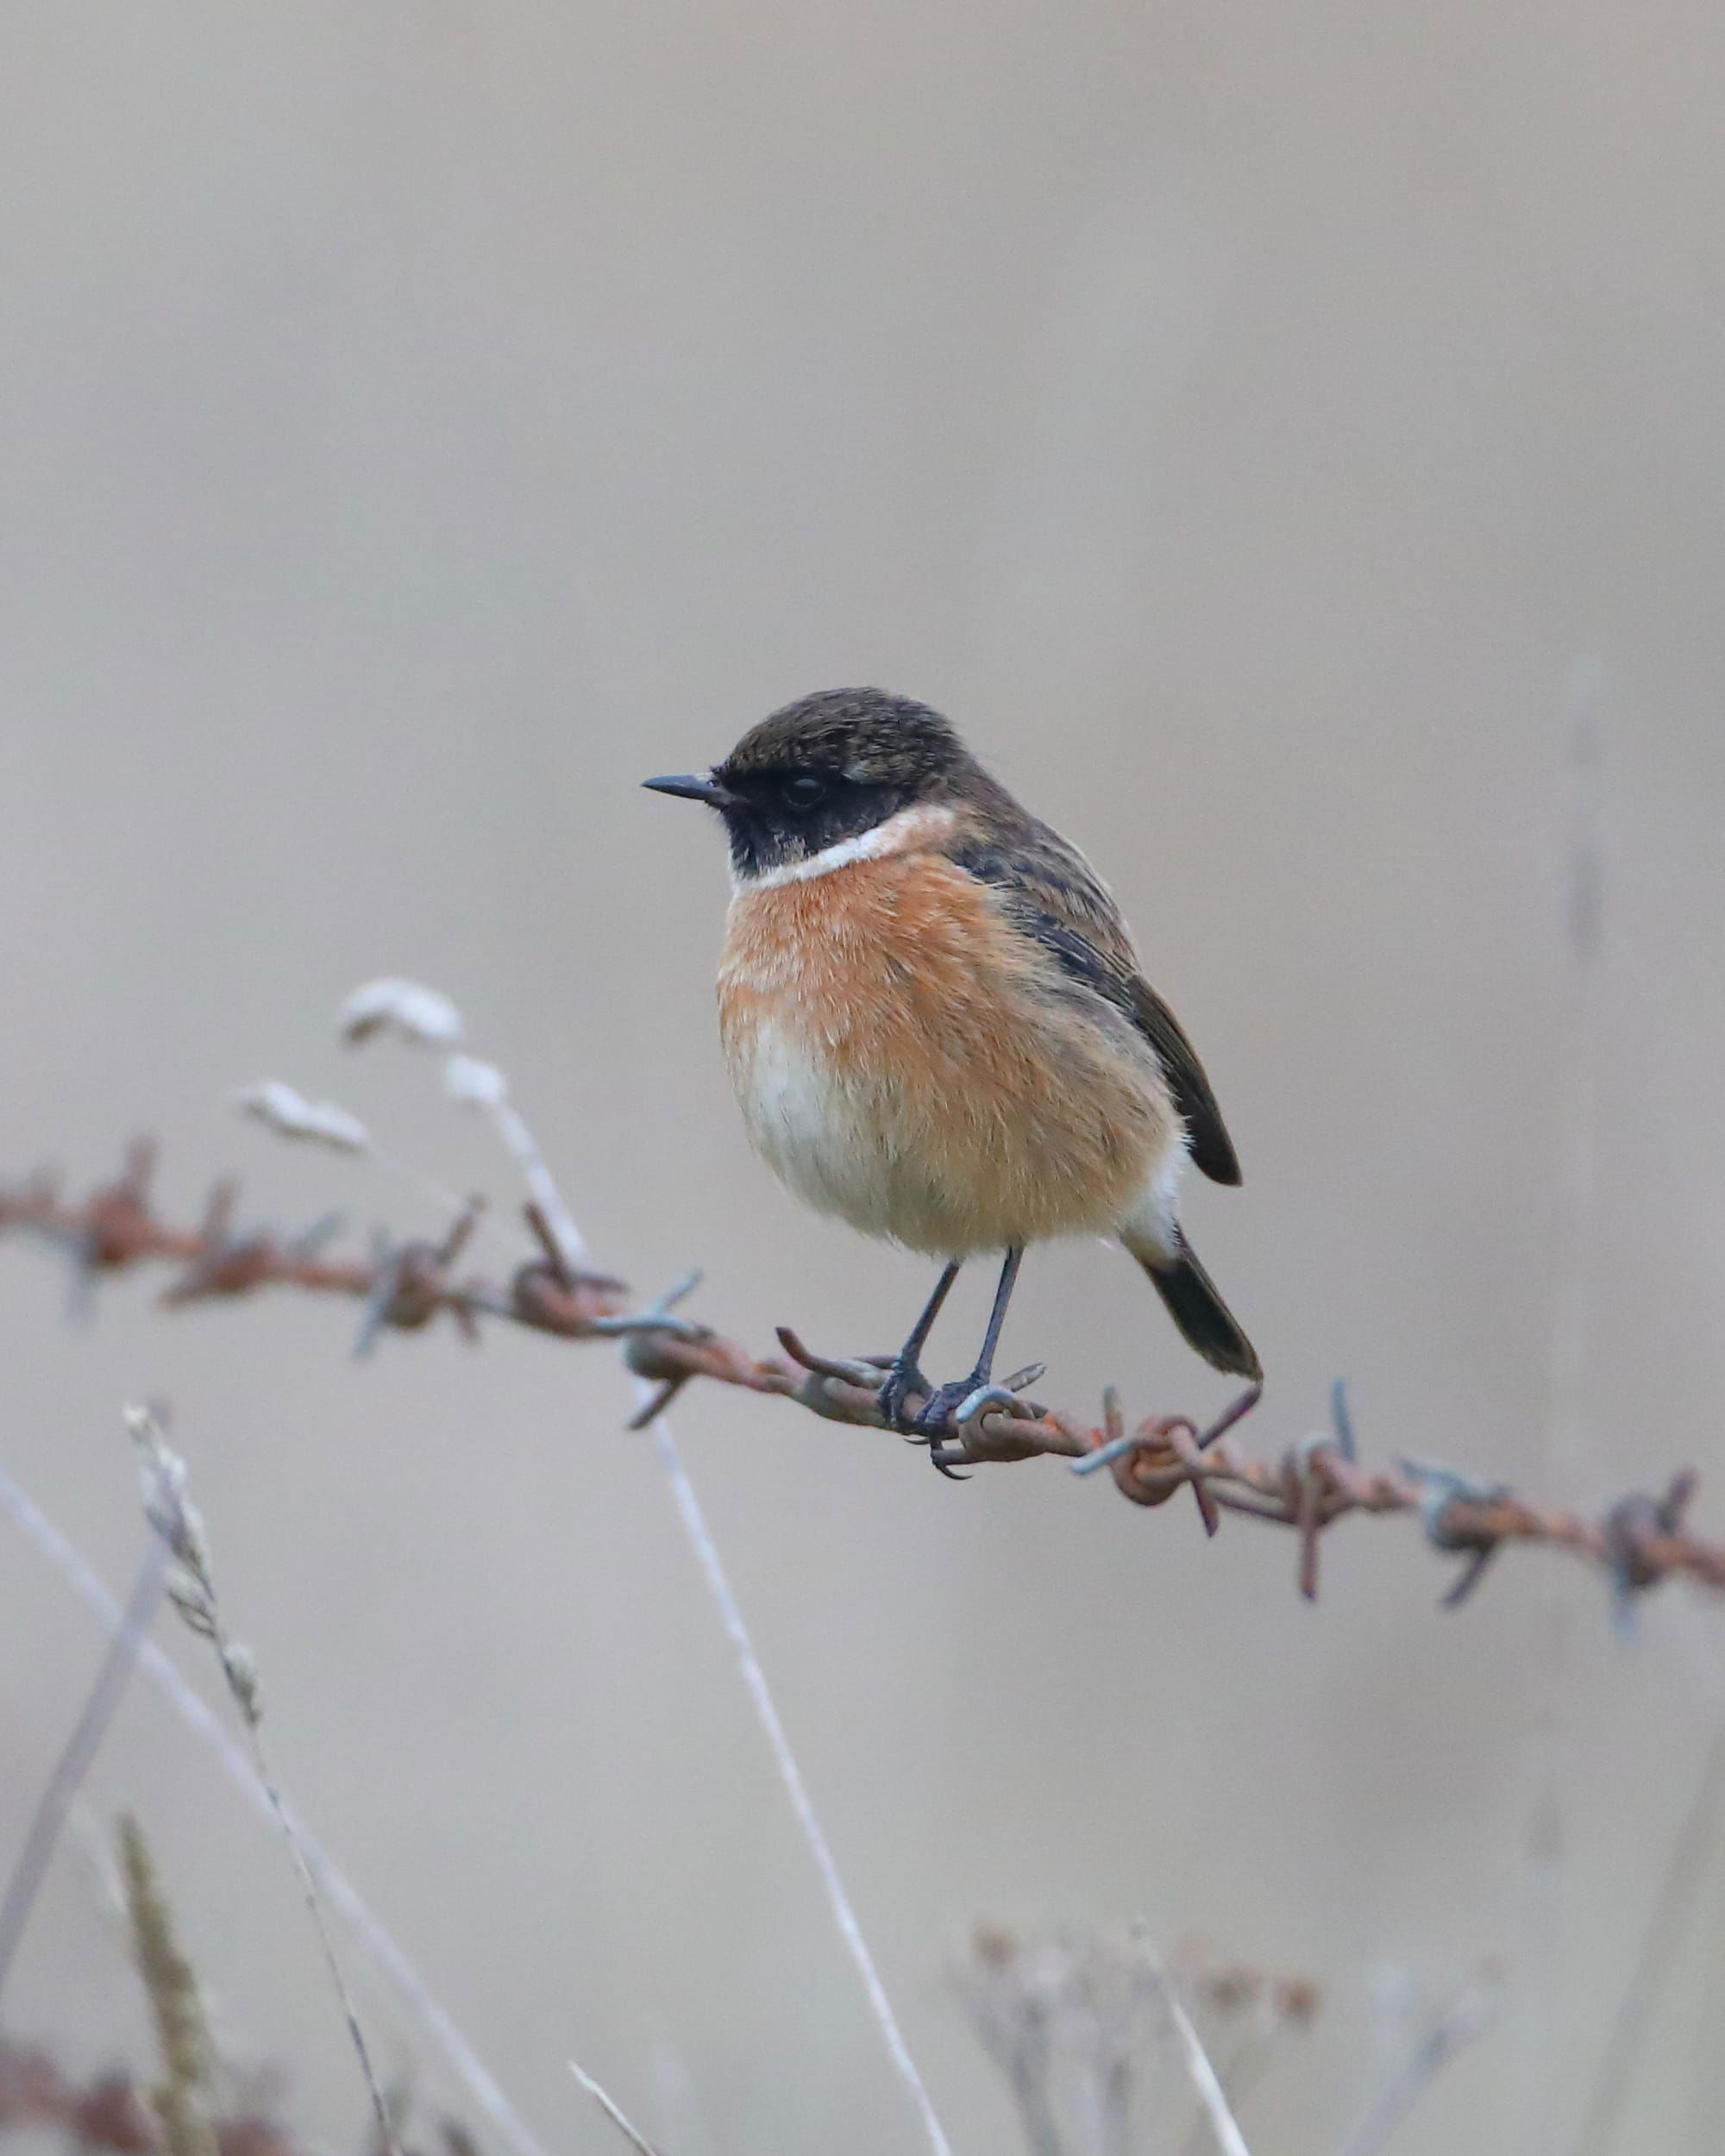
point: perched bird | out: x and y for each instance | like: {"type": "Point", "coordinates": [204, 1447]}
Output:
{"type": "Point", "coordinates": [935, 1022]}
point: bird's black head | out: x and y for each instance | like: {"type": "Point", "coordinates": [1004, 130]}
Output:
{"type": "Point", "coordinates": [826, 769]}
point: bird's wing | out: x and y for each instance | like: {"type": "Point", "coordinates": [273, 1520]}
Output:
{"type": "Point", "coordinates": [1054, 894]}
{"type": "Point", "coordinates": [1212, 1149]}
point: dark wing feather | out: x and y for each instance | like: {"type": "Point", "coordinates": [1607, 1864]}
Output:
{"type": "Point", "coordinates": [1055, 895]}
{"type": "Point", "coordinates": [1212, 1149]}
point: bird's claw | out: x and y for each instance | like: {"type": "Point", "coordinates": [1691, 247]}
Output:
{"type": "Point", "coordinates": [935, 1417]}
{"type": "Point", "coordinates": [903, 1381]}
{"type": "Point", "coordinates": [940, 1411]}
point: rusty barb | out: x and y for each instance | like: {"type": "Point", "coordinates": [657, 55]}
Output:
{"type": "Point", "coordinates": [404, 1287]}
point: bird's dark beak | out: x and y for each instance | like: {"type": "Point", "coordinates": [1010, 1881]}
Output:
{"type": "Point", "coordinates": [692, 786]}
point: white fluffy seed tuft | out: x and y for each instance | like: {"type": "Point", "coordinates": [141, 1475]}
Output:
{"type": "Point", "coordinates": [280, 1108]}
{"type": "Point", "coordinates": [474, 1084]}
{"type": "Point", "coordinates": [405, 1008]}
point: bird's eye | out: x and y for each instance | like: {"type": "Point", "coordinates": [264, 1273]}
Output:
{"type": "Point", "coordinates": [805, 791]}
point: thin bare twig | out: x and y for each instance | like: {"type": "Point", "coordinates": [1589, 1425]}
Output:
{"type": "Point", "coordinates": [637, 2140]}
{"type": "Point", "coordinates": [1577, 1249]}
{"type": "Point", "coordinates": [843, 1911]}
{"type": "Point", "coordinates": [1461, 2019]}
{"type": "Point", "coordinates": [1211, 2095]}
{"type": "Point", "coordinates": [99, 1708]}
{"type": "Point", "coordinates": [1677, 1905]}
{"type": "Point", "coordinates": [1274, 2008]}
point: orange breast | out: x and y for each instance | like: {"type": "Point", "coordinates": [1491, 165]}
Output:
{"type": "Point", "coordinates": [907, 1059]}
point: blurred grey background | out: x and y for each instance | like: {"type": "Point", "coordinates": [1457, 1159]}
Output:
{"type": "Point", "coordinates": [419, 423]}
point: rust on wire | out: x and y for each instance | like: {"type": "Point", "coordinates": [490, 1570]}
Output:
{"type": "Point", "coordinates": [1638, 1542]}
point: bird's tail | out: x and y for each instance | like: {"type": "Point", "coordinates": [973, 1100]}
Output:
{"type": "Point", "coordinates": [1206, 1323]}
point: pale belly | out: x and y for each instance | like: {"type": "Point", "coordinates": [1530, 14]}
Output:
{"type": "Point", "coordinates": [950, 1177]}
{"type": "Point", "coordinates": [895, 1069]}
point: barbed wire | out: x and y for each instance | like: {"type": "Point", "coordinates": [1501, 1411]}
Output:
{"type": "Point", "coordinates": [403, 1286]}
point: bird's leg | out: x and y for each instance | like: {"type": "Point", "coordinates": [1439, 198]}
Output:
{"type": "Point", "coordinates": [904, 1377]}
{"type": "Point", "coordinates": [932, 1417]}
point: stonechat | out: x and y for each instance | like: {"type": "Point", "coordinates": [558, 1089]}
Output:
{"type": "Point", "coordinates": [936, 1025]}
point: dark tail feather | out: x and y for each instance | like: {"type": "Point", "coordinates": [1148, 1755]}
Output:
{"type": "Point", "coordinates": [1206, 1323]}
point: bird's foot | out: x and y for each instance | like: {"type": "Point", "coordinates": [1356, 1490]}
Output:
{"type": "Point", "coordinates": [940, 1407]}
{"type": "Point", "coordinates": [937, 1404]}
{"type": "Point", "coordinates": [903, 1382]}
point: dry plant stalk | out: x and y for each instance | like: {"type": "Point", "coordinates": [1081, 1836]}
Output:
{"type": "Point", "coordinates": [1439, 2031]}
{"type": "Point", "coordinates": [1087, 2028]}
{"type": "Point", "coordinates": [1068, 2020]}
{"type": "Point", "coordinates": [1248, 2016]}
{"type": "Point", "coordinates": [1676, 1906]}
{"type": "Point", "coordinates": [179, 2099]}
{"type": "Point", "coordinates": [28, 2081]}
{"type": "Point", "coordinates": [101, 1703]}
{"type": "Point", "coordinates": [192, 1592]}
{"type": "Point", "coordinates": [631, 2133]}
